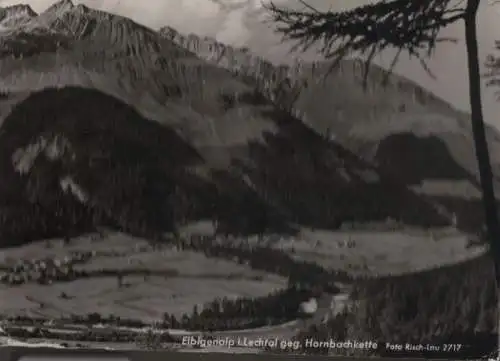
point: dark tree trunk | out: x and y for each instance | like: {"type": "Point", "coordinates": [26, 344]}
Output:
{"type": "Point", "coordinates": [481, 146]}
{"type": "Point", "coordinates": [479, 134]}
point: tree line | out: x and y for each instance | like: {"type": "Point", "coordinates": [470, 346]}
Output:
{"type": "Point", "coordinates": [224, 314]}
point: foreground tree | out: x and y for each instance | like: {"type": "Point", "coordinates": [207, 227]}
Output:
{"type": "Point", "coordinates": [411, 26]}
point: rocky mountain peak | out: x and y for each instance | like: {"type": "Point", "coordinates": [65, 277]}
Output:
{"type": "Point", "coordinates": [60, 6]}
{"type": "Point", "coordinates": [14, 15]}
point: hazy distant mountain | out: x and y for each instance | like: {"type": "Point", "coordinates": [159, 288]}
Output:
{"type": "Point", "coordinates": [106, 121]}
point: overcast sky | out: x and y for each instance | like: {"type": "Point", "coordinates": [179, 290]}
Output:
{"type": "Point", "coordinates": [240, 22]}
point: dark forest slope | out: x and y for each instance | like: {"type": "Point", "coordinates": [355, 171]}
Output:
{"type": "Point", "coordinates": [77, 158]}
{"type": "Point", "coordinates": [451, 305]}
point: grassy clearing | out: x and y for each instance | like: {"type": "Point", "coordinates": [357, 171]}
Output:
{"type": "Point", "coordinates": [381, 252]}
{"type": "Point", "coordinates": [187, 263]}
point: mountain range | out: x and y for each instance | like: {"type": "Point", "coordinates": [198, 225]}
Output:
{"type": "Point", "coordinates": [107, 122]}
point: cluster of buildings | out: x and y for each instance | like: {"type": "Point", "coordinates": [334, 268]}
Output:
{"type": "Point", "coordinates": [43, 271]}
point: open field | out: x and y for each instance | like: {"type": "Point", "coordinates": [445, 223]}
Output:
{"type": "Point", "coordinates": [139, 299]}
{"type": "Point", "coordinates": [378, 253]}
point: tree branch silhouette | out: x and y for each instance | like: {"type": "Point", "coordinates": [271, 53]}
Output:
{"type": "Point", "coordinates": [411, 26]}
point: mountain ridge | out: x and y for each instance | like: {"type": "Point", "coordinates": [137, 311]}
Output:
{"type": "Point", "coordinates": [255, 154]}
{"type": "Point", "coordinates": [302, 84]}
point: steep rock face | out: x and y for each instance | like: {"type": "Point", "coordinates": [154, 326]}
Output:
{"type": "Point", "coordinates": [305, 78]}
{"type": "Point", "coordinates": [337, 106]}
{"type": "Point", "coordinates": [280, 84]}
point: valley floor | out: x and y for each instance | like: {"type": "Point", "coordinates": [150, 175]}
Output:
{"type": "Point", "coordinates": [174, 283]}
{"type": "Point", "coordinates": [163, 279]}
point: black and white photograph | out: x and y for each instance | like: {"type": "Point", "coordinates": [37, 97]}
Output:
{"type": "Point", "coordinates": [306, 177]}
